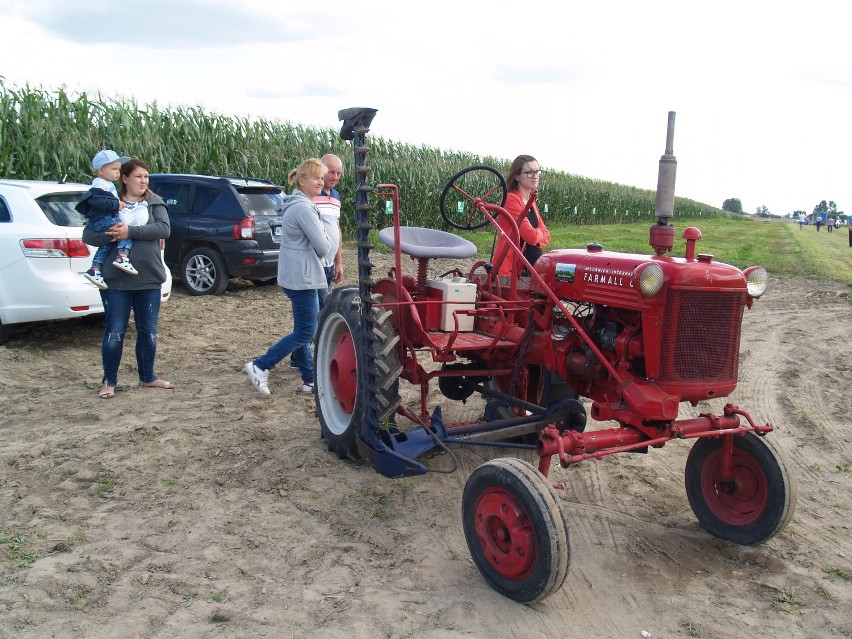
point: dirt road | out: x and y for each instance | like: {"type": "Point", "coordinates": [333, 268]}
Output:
{"type": "Point", "coordinates": [211, 511]}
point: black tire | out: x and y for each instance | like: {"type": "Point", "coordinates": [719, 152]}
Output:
{"type": "Point", "coordinates": [473, 182]}
{"type": "Point", "coordinates": [752, 508]}
{"type": "Point", "coordinates": [203, 272]}
{"type": "Point", "coordinates": [340, 366]}
{"type": "Point", "coordinates": [516, 530]}
{"type": "Point", "coordinates": [5, 333]}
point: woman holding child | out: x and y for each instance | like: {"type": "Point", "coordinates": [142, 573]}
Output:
{"type": "Point", "coordinates": [140, 292]}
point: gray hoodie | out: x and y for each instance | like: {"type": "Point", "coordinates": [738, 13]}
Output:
{"type": "Point", "coordinates": [303, 243]}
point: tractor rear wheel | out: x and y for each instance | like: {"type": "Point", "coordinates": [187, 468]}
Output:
{"type": "Point", "coordinates": [516, 530]}
{"type": "Point", "coordinates": [341, 365]}
{"type": "Point", "coordinates": [757, 501]}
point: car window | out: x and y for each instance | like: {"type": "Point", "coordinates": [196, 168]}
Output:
{"type": "Point", "coordinates": [204, 196]}
{"type": "Point", "coordinates": [267, 203]}
{"type": "Point", "coordinates": [59, 209]}
{"type": "Point", "coordinates": [5, 216]}
{"type": "Point", "coordinates": [176, 196]}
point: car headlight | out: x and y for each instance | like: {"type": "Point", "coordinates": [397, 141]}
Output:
{"type": "Point", "coordinates": [757, 280]}
{"type": "Point", "coordinates": [651, 279]}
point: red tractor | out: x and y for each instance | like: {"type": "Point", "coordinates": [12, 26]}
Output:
{"type": "Point", "coordinates": [635, 334]}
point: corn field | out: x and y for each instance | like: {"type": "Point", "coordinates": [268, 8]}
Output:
{"type": "Point", "coordinates": [51, 135]}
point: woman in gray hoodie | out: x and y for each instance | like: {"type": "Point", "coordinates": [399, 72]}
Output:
{"type": "Point", "coordinates": [300, 273]}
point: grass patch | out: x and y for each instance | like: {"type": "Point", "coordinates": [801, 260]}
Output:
{"type": "Point", "coordinates": [823, 592]}
{"type": "Point", "coordinates": [107, 486]}
{"type": "Point", "coordinates": [787, 600]}
{"type": "Point", "coordinates": [18, 550]}
{"type": "Point", "coordinates": [689, 628]}
{"type": "Point", "coordinates": [837, 573]}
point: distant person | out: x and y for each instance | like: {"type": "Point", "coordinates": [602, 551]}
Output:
{"type": "Point", "coordinates": [328, 203]}
{"type": "Point", "coordinates": [829, 224]}
{"type": "Point", "coordinates": [801, 220]}
{"type": "Point", "coordinates": [849, 226]}
{"type": "Point", "coordinates": [521, 180]}
{"type": "Point", "coordinates": [301, 275]}
{"type": "Point", "coordinates": [818, 223]}
{"type": "Point", "coordinates": [141, 292]}
{"type": "Point", "coordinates": [102, 208]}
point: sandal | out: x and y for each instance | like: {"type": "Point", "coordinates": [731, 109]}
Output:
{"type": "Point", "coordinates": [158, 383]}
{"type": "Point", "coordinates": [107, 392]}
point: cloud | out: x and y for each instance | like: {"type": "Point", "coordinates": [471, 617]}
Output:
{"type": "Point", "coordinates": [560, 76]}
{"type": "Point", "coordinates": [198, 24]}
{"type": "Point", "coordinates": [303, 91]}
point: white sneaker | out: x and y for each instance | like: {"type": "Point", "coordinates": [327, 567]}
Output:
{"type": "Point", "coordinates": [258, 377]}
{"type": "Point", "coordinates": [96, 278]}
{"type": "Point", "coordinates": [125, 265]}
{"type": "Point", "coordinates": [307, 388]}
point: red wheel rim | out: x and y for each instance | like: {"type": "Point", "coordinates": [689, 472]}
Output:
{"type": "Point", "coordinates": [342, 373]}
{"type": "Point", "coordinates": [505, 534]}
{"type": "Point", "coordinates": [740, 500]}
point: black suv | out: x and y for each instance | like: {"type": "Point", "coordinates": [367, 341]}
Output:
{"type": "Point", "coordinates": [222, 227]}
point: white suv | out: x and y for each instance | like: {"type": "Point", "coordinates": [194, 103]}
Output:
{"type": "Point", "coordinates": [42, 255]}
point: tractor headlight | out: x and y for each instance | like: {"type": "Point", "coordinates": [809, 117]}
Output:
{"type": "Point", "coordinates": [651, 279]}
{"type": "Point", "coordinates": [757, 279]}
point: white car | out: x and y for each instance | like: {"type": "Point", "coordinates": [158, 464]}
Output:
{"type": "Point", "coordinates": [42, 255]}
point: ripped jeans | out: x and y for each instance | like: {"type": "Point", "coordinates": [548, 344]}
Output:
{"type": "Point", "coordinates": [146, 310]}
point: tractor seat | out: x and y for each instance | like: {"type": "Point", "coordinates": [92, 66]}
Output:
{"type": "Point", "coordinates": [428, 243]}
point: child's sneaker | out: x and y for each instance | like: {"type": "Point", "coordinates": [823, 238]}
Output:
{"type": "Point", "coordinates": [122, 262]}
{"type": "Point", "coordinates": [96, 278]}
{"type": "Point", "coordinates": [307, 388]}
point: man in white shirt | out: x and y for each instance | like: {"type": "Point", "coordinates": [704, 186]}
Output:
{"type": "Point", "coordinates": [328, 203]}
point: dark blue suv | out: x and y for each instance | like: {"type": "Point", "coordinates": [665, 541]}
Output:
{"type": "Point", "coordinates": [222, 227]}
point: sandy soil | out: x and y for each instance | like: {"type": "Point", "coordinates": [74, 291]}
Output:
{"type": "Point", "coordinates": [211, 511]}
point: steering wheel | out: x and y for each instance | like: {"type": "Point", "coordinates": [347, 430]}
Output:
{"type": "Point", "coordinates": [457, 198]}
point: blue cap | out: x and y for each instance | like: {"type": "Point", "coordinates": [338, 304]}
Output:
{"type": "Point", "coordinates": [107, 156]}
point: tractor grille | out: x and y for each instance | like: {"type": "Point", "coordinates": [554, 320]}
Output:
{"type": "Point", "coordinates": [701, 336]}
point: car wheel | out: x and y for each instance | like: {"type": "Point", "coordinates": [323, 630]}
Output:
{"type": "Point", "coordinates": [203, 272]}
{"type": "Point", "coordinates": [5, 333]}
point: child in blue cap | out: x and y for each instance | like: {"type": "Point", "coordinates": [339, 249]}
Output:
{"type": "Point", "coordinates": [101, 205]}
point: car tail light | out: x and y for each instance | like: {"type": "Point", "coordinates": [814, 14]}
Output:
{"type": "Point", "coordinates": [244, 230]}
{"type": "Point", "coordinates": [54, 248]}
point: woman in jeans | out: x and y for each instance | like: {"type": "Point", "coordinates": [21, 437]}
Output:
{"type": "Point", "coordinates": [141, 293]}
{"type": "Point", "coordinates": [300, 275]}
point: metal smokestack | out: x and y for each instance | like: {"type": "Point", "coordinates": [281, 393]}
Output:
{"type": "Point", "coordinates": [662, 235]}
{"type": "Point", "coordinates": [666, 177]}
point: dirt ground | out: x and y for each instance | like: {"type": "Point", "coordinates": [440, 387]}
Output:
{"type": "Point", "coordinates": [211, 511]}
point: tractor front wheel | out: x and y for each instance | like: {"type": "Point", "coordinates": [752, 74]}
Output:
{"type": "Point", "coordinates": [340, 369]}
{"type": "Point", "coordinates": [753, 503]}
{"type": "Point", "coordinates": [516, 530]}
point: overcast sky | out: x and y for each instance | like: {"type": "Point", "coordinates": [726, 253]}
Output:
{"type": "Point", "coordinates": [762, 90]}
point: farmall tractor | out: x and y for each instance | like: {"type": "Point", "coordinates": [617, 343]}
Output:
{"type": "Point", "coordinates": [637, 335]}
